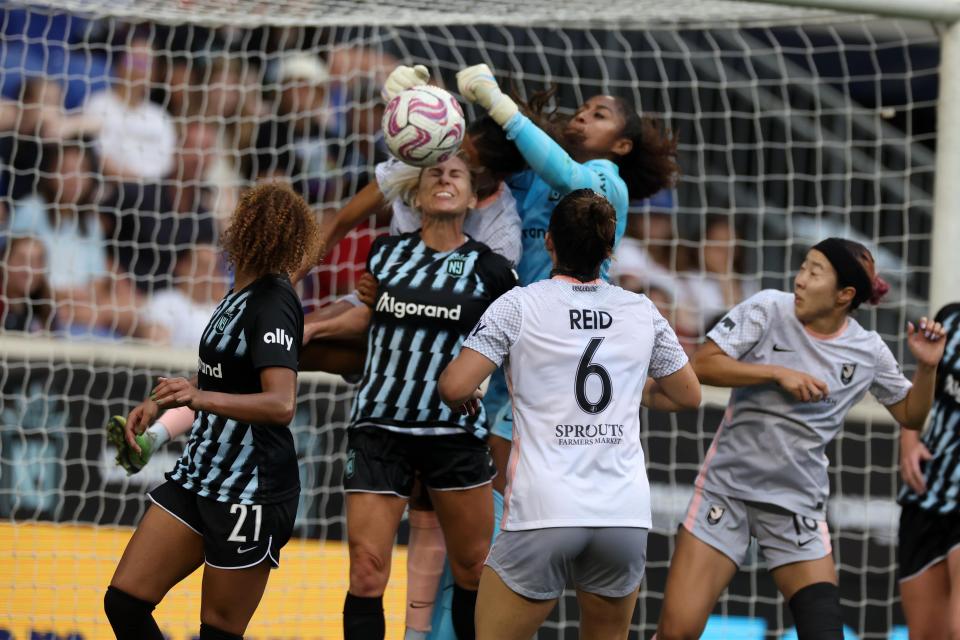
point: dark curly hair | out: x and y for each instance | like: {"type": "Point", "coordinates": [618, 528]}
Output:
{"type": "Point", "coordinates": [650, 166]}
{"type": "Point", "coordinates": [271, 231]}
{"type": "Point", "coordinates": [582, 229]}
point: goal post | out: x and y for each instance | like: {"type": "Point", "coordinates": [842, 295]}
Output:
{"type": "Point", "coordinates": [795, 122]}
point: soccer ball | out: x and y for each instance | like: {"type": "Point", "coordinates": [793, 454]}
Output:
{"type": "Point", "coordinates": [423, 126]}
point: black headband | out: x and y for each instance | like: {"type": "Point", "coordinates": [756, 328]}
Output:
{"type": "Point", "coordinates": [850, 272]}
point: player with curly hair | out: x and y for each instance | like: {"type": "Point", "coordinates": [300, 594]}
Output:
{"type": "Point", "coordinates": [231, 499]}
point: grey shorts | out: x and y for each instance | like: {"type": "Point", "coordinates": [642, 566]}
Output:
{"type": "Point", "coordinates": [539, 563]}
{"type": "Point", "coordinates": [727, 524]}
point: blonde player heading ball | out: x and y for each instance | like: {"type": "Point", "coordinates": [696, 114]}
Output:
{"type": "Point", "coordinates": [578, 354]}
{"type": "Point", "coordinates": [798, 363]}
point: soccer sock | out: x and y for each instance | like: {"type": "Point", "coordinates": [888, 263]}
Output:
{"type": "Point", "coordinates": [209, 632]}
{"type": "Point", "coordinates": [130, 617]}
{"type": "Point", "coordinates": [816, 612]}
{"type": "Point", "coordinates": [412, 634]}
{"type": "Point", "coordinates": [363, 618]}
{"type": "Point", "coordinates": [424, 565]}
{"type": "Point", "coordinates": [159, 434]}
{"type": "Point", "coordinates": [464, 606]}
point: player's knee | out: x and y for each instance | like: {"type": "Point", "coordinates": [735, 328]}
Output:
{"type": "Point", "coordinates": [677, 628]}
{"type": "Point", "coordinates": [466, 571]}
{"type": "Point", "coordinates": [816, 612]}
{"type": "Point", "coordinates": [125, 611]}
{"type": "Point", "coordinates": [369, 573]}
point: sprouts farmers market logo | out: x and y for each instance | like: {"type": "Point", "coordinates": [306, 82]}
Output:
{"type": "Point", "coordinates": [588, 434]}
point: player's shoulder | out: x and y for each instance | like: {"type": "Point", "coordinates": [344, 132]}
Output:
{"type": "Point", "coordinates": [771, 300]}
{"type": "Point", "coordinates": [273, 289]}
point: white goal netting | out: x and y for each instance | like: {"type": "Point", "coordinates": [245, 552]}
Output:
{"type": "Point", "coordinates": [128, 130]}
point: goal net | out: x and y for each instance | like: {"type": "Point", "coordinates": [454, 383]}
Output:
{"type": "Point", "coordinates": [130, 128]}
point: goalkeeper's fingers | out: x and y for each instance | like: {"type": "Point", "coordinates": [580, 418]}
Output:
{"type": "Point", "coordinates": [402, 78]}
{"type": "Point", "coordinates": [471, 78]}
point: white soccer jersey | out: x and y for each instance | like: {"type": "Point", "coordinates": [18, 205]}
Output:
{"type": "Point", "coordinates": [771, 448]}
{"type": "Point", "coordinates": [495, 224]}
{"type": "Point", "coordinates": [578, 356]}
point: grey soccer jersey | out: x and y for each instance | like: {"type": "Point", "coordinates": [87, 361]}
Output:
{"type": "Point", "coordinates": [771, 448]}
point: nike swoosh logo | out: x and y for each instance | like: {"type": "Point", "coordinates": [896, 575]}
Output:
{"type": "Point", "coordinates": [806, 542]}
{"type": "Point", "coordinates": [245, 550]}
{"type": "Point", "coordinates": [420, 605]}
{"type": "Point", "coordinates": [777, 347]}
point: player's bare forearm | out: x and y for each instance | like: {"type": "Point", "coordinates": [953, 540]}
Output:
{"type": "Point", "coordinates": [275, 405]}
{"type": "Point", "coordinates": [351, 324]}
{"type": "Point", "coordinates": [460, 380]}
{"type": "Point", "coordinates": [911, 412]}
{"type": "Point", "coordinates": [715, 368]}
{"type": "Point", "coordinates": [909, 438]}
{"type": "Point", "coordinates": [364, 204]}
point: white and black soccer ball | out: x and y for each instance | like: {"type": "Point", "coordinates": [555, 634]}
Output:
{"type": "Point", "coordinates": [423, 126]}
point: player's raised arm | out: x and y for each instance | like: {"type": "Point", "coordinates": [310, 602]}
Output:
{"type": "Point", "coordinates": [926, 343]}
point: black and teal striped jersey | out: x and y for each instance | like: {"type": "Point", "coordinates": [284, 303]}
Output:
{"type": "Point", "coordinates": [227, 460]}
{"type": "Point", "coordinates": [942, 437]}
{"type": "Point", "coordinates": [427, 302]}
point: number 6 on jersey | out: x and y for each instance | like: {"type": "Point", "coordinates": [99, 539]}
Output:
{"type": "Point", "coordinates": [587, 368]}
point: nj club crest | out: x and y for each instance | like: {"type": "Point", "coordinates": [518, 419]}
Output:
{"type": "Point", "coordinates": [223, 321]}
{"type": "Point", "coordinates": [847, 369]}
{"type": "Point", "coordinates": [455, 267]}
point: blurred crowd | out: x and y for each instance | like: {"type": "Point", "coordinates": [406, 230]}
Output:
{"type": "Point", "coordinates": [112, 197]}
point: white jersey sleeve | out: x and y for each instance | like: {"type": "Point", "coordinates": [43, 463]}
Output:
{"type": "Point", "coordinates": [404, 218]}
{"type": "Point", "coordinates": [498, 328]}
{"type": "Point", "coordinates": [668, 356]}
{"type": "Point", "coordinates": [744, 325]}
{"type": "Point", "coordinates": [889, 386]}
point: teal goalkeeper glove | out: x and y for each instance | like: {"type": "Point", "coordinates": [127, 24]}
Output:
{"type": "Point", "coordinates": [478, 85]}
{"type": "Point", "coordinates": [402, 78]}
{"type": "Point", "coordinates": [126, 457]}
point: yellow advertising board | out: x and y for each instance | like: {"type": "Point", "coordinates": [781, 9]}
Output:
{"type": "Point", "coordinates": [53, 577]}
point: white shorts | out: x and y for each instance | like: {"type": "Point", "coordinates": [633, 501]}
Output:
{"type": "Point", "coordinates": [727, 524]}
{"type": "Point", "coordinates": [538, 563]}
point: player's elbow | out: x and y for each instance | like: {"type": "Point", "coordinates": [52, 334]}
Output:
{"type": "Point", "coordinates": [282, 411]}
{"type": "Point", "coordinates": [451, 393]}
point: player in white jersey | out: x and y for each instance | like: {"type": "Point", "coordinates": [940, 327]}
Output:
{"type": "Point", "coordinates": [578, 353]}
{"type": "Point", "coordinates": [797, 364]}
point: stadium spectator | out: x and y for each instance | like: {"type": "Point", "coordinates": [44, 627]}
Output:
{"type": "Point", "coordinates": [293, 141]}
{"type": "Point", "coordinates": [797, 364]}
{"type": "Point", "coordinates": [929, 546]}
{"type": "Point", "coordinates": [579, 504]}
{"type": "Point", "coordinates": [646, 259]}
{"type": "Point", "coordinates": [26, 302]}
{"type": "Point", "coordinates": [26, 124]}
{"type": "Point", "coordinates": [137, 138]}
{"type": "Point", "coordinates": [180, 313]}
{"type": "Point", "coordinates": [91, 295]}
{"type": "Point", "coordinates": [149, 222]}
{"type": "Point", "coordinates": [415, 327]}
{"type": "Point", "coordinates": [711, 281]}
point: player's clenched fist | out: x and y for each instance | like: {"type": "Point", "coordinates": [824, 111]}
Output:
{"type": "Point", "coordinates": [402, 78]}
{"type": "Point", "coordinates": [478, 85]}
{"type": "Point", "coordinates": [802, 386]}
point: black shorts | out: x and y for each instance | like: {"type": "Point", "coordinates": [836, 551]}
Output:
{"type": "Point", "coordinates": [926, 538]}
{"type": "Point", "coordinates": [235, 536]}
{"type": "Point", "coordinates": [383, 461]}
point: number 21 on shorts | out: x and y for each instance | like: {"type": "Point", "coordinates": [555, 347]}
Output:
{"type": "Point", "coordinates": [241, 510]}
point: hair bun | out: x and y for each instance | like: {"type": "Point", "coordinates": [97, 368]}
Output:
{"type": "Point", "coordinates": [880, 289]}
